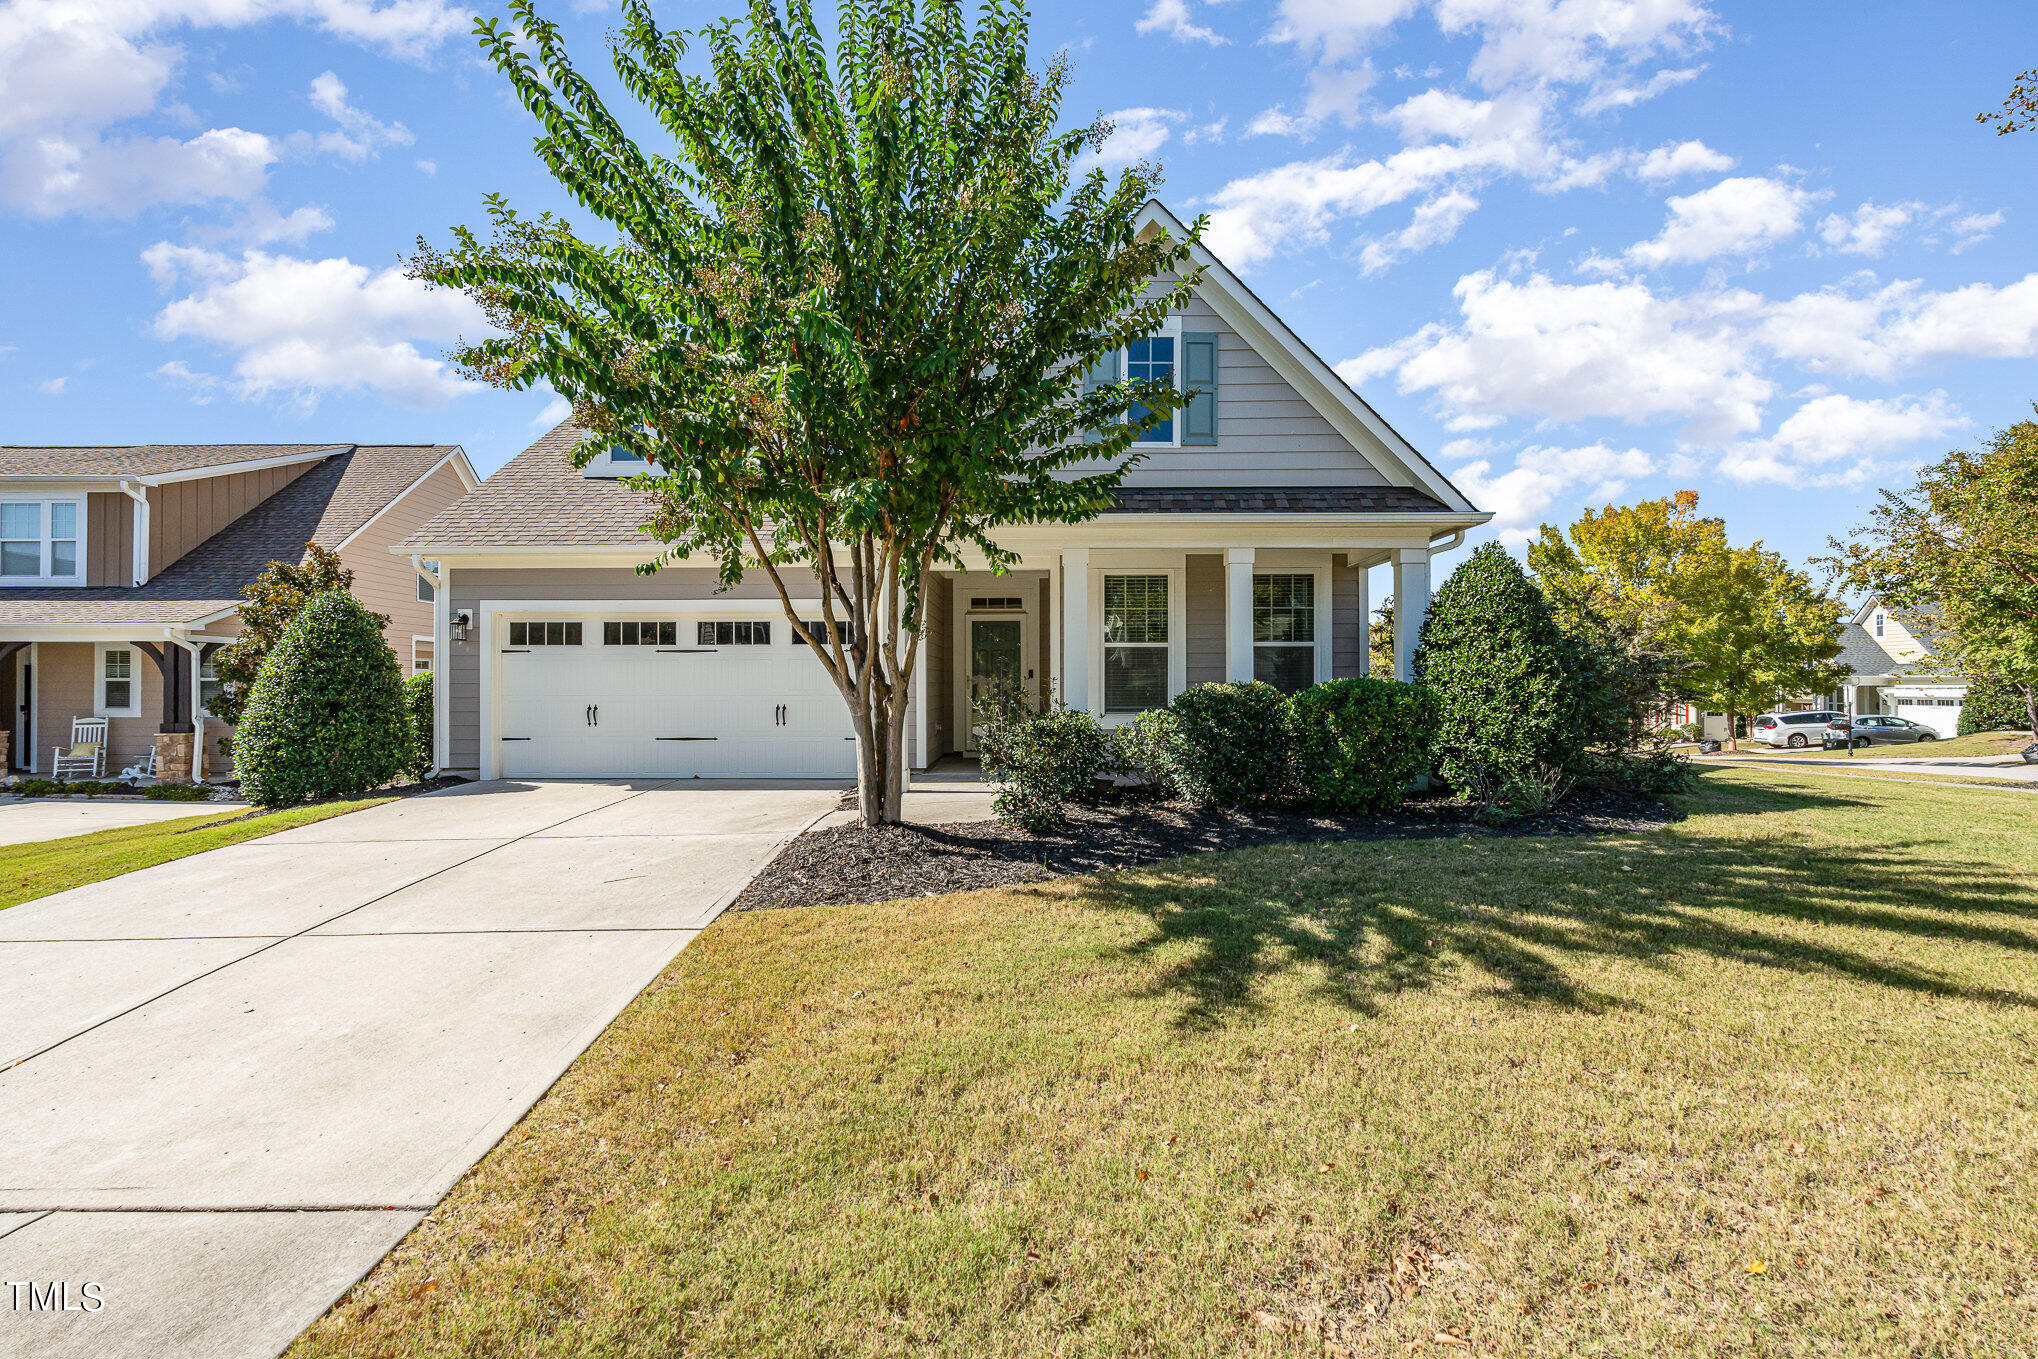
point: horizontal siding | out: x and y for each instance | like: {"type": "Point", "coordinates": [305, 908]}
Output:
{"type": "Point", "coordinates": [1347, 627]}
{"type": "Point", "coordinates": [385, 582]}
{"type": "Point", "coordinates": [1203, 579]}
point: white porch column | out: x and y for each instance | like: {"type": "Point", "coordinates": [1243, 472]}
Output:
{"type": "Point", "coordinates": [1075, 628]}
{"type": "Point", "coordinates": [1238, 614]}
{"type": "Point", "coordinates": [1411, 606]}
{"type": "Point", "coordinates": [1365, 619]}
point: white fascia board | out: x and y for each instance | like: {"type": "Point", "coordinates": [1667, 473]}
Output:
{"type": "Point", "coordinates": [1305, 370]}
{"type": "Point", "coordinates": [227, 469]}
{"type": "Point", "coordinates": [92, 632]}
{"type": "Point", "coordinates": [466, 479]}
{"type": "Point", "coordinates": [648, 608]}
{"type": "Point", "coordinates": [506, 555]}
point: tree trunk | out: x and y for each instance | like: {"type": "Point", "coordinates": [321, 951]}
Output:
{"type": "Point", "coordinates": [2031, 707]}
{"type": "Point", "coordinates": [1733, 742]}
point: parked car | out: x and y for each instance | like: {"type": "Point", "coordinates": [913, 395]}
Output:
{"type": "Point", "coordinates": [1796, 730]}
{"type": "Point", "coordinates": [1890, 731]}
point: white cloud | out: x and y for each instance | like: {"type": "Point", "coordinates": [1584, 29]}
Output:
{"type": "Point", "coordinates": [1836, 439]}
{"type": "Point", "coordinates": [1975, 228]}
{"type": "Point", "coordinates": [1172, 18]}
{"type": "Point", "coordinates": [1870, 229]}
{"type": "Point", "coordinates": [1619, 95]}
{"type": "Point", "coordinates": [1435, 222]}
{"type": "Point", "coordinates": [1336, 30]}
{"type": "Point", "coordinates": [300, 328]}
{"type": "Point", "coordinates": [1572, 41]}
{"type": "Point", "coordinates": [1136, 135]}
{"type": "Point", "coordinates": [1734, 217]}
{"type": "Point", "coordinates": [1556, 352]}
{"type": "Point", "coordinates": [557, 409]}
{"type": "Point", "coordinates": [72, 71]}
{"type": "Point", "coordinates": [428, 167]}
{"type": "Point", "coordinates": [1519, 496]}
{"type": "Point", "coordinates": [1685, 158]}
{"type": "Point", "coordinates": [1277, 122]}
{"type": "Point", "coordinates": [52, 386]}
{"type": "Point", "coordinates": [1900, 326]}
{"type": "Point", "coordinates": [1207, 132]}
{"type": "Point", "coordinates": [359, 134]}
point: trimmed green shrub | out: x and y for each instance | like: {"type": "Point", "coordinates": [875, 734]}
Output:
{"type": "Point", "coordinates": [1993, 704]}
{"type": "Point", "coordinates": [1509, 729]}
{"type": "Point", "coordinates": [1149, 750]}
{"type": "Point", "coordinates": [417, 701]}
{"type": "Point", "coordinates": [72, 788]}
{"type": "Point", "coordinates": [177, 792]}
{"type": "Point", "coordinates": [326, 717]}
{"type": "Point", "coordinates": [1360, 743]}
{"type": "Point", "coordinates": [1046, 762]}
{"type": "Point", "coordinates": [1232, 749]}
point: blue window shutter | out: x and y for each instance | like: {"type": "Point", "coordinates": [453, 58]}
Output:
{"type": "Point", "coordinates": [1199, 377]}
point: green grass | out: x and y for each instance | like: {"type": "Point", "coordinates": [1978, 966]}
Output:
{"type": "Point", "coordinates": [1981, 743]}
{"type": "Point", "coordinates": [43, 867]}
{"type": "Point", "coordinates": [1764, 1082]}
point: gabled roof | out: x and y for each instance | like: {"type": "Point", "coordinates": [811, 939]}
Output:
{"type": "Point", "coordinates": [1861, 654]}
{"type": "Point", "coordinates": [323, 506]}
{"type": "Point", "coordinates": [1305, 371]}
{"type": "Point", "coordinates": [540, 499]}
{"type": "Point", "coordinates": [143, 460]}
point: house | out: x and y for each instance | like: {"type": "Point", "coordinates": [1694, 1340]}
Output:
{"type": "Point", "coordinates": [121, 569]}
{"type": "Point", "coordinates": [1239, 548]}
{"type": "Point", "coordinates": [1891, 671]}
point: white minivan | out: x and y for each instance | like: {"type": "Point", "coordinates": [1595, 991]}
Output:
{"type": "Point", "coordinates": [1796, 730]}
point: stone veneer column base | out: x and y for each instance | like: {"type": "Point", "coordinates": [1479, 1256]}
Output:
{"type": "Point", "coordinates": [173, 756]}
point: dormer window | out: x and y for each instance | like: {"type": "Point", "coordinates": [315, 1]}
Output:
{"type": "Point", "coordinates": [40, 541]}
{"type": "Point", "coordinates": [615, 461]}
{"type": "Point", "coordinates": [1187, 359]}
{"type": "Point", "coordinates": [1878, 625]}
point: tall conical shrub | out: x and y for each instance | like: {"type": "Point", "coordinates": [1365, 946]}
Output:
{"type": "Point", "coordinates": [1508, 721]}
{"type": "Point", "coordinates": [326, 716]}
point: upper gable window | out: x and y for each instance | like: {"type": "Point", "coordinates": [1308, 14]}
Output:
{"type": "Point", "coordinates": [1188, 359]}
{"type": "Point", "coordinates": [1152, 360]}
{"type": "Point", "coordinates": [41, 542]}
{"type": "Point", "coordinates": [1878, 625]}
{"type": "Point", "coordinates": [616, 462]}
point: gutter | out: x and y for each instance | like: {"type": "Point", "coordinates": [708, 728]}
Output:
{"type": "Point", "coordinates": [137, 491]}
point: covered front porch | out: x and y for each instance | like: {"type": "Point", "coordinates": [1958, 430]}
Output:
{"type": "Point", "coordinates": [146, 684]}
{"type": "Point", "coordinates": [1127, 621]}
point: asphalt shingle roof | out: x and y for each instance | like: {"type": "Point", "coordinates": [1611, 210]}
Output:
{"type": "Point", "coordinates": [1863, 655]}
{"type": "Point", "coordinates": [323, 506]}
{"type": "Point", "coordinates": [540, 499]}
{"type": "Point", "coordinates": [137, 460]}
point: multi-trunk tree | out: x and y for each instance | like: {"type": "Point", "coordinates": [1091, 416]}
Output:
{"type": "Point", "coordinates": [847, 308]}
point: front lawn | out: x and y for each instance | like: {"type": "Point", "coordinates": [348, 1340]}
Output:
{"type": "Point", "coordinates": [1764, 1082]}
{"type": "Point", "coordinates": [42, 867]}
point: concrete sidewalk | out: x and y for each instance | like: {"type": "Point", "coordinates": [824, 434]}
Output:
{"type": "Point", "coordinates": [231, 1083]}
{"type": "Point", "coordinates": [30, 819]}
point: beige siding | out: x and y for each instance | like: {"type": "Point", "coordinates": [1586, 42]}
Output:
{"type": "Point", "coordinates": [461, 667]}
{"type": "Point", "coordinates": [385, 582]}
{"type": "Point", "coordinates": [1267, 433]}
{"type": "Point", "coordinates": [109, 539]}
{"type": "Point", "coordinates": [1203, 578]}
{"type": "Point", "coordinates": [66, 687]}
{"type": "Point", "coordinates": [184, 514]}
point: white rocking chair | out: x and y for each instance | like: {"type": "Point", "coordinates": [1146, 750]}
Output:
{"type": "Point", "coordinates": [87, 756]}
{"type": "Point", "coordinates": [144, 768]}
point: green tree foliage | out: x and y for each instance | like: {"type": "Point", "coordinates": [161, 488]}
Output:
{"type": "Point", "coordinates": [1656, 587]}
{"type": "Point", "coordinates": [1507, 709]}
{"type": "Point", "coordinates": [1232, 746]}
{"type": "Point", "coordinates": [1995, 704]}
{"type": "Point", "coordinates": [417, 703]}
{"type": "Point", "coordinates": [326, 718]}
{"type": "Point", "coordinates": [1380, 640]}
{"type": "Point", "coordinates": [269, 604]}
{"type": "Point", "coordinates": [1962, 544]}
{"type": "Point", "coordinates": [1360, 743]}
{"type": "Point", "coordinates": [848, 309]}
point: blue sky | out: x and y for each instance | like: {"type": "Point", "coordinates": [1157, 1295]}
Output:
{"type": "Point", "coordinates": [1576, 250]}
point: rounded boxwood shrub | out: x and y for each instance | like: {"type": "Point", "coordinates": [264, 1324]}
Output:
{"type": "Point", "coordinates": [1360, 743]}
{"type": "Point", "coordinates": [1149, 750]}
{"type": "Point", "coordinates": [1046, 762]}
{"type": "Point", "coordinates": [326, 716]}
{"type": "Point", "coordinates": [417, 701]}
{"type": "Point", "coordinates": [1509, 727]}
{"type": "Point", "coordinates": [1232, 747]}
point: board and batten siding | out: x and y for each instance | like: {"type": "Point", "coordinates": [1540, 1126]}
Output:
{"type": "Point", "coordinates": [183, 514]}
{"type": "Point", "coordinates": [109, 539]}
{"type": "Point", "coordinates": [1267, 433]}
{"type": "Point", "coordinates": [386, 583]}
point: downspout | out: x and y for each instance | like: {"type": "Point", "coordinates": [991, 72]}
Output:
{"type": "Point", "coordinates": [442, 659]}
{"type": "Point", "coordinates": [138, 492]}
{"type": "Point", "coordinates": [197, 713]}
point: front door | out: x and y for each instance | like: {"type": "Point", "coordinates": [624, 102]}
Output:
{"type": "Point", "coordinates": [997, 655]}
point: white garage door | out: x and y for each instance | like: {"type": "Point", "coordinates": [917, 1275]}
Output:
{"type": "Point", "coordinates": [1940, 714]}
{"type": "Point", "coordinates": [603, 696]}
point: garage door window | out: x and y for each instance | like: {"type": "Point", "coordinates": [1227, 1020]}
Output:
{"type": "Point", "coordinates": [745, 632]}
{"type": "Point", "coordinates": [544, 634]}
{"type": "Point", "coordinates": [640, 634]}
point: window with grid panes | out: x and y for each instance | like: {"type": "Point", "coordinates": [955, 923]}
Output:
{"type": "Point", "coordinates": [1135, 643]}
{"type": "Point", "coordinates": [1284, 630]}
{"type": "Point", "coordinates": [640, 634]}
{"type": "Point", "coordinates": [740, 632]}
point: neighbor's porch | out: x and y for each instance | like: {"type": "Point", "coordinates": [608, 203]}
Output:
{"type": "Point", "coordinates": [1119, 629]}
{"type": "Point", "coordinates": [149, 689]}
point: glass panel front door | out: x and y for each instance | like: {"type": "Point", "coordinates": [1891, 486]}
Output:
{"type": "Point", "coordinates": [997, 650]}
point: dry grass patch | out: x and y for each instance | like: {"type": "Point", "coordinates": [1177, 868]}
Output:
{"type": "Point", "coordinates": [1762, 1083]}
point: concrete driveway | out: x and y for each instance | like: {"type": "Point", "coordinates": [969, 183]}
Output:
{"type": "Point", "coordinates": [55, 818]}
{"type": "Point", "coordinates": [228, 1085]}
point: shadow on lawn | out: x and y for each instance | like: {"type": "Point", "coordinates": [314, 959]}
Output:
{"type": "Point", "coordinates": [1381, 918]}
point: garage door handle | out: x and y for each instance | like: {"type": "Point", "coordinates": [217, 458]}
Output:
{"type": "Point", "coordinates": [587, 716]}
{"type": "Point", "coordinates": [597, 714]}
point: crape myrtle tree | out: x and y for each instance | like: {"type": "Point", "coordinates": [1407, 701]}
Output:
{"type": "Point", "coordinates": [848, 309]}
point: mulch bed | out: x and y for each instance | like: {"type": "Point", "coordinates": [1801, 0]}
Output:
{"type": "Point", "coordinates": [849, 865]}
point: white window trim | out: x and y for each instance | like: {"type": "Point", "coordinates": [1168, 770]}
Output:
{"type": "Point", "coordinates": [1171, 329]}
{"type": "Point", "coordinates": [134, 681]}
{"type": "Point", "coordinates": [423, 639]}
{"type": "Point", "coordinates": [198, 683]}
{"type": "Point", "coordinates": [76, 579]}
{"type": "Point", "coordinates": [1175, 568]}
{"type": "Point", "coordinates": [1275, 563]}
{"type": "Point", "coordinates": [424, 583]}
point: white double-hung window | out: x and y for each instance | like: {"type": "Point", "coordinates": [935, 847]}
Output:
{"type": "Point", "coordinates": [41, 542]}
{"type": "Point", "coordinates": [1284, 630]}
{"type": "Point", "coordinates": [1135, 643]}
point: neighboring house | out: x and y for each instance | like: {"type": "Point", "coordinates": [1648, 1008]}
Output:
{"type": "Point", "coordinates": [121, 569]}
{"type": "Point", "coordinates": [1891, 671]}
{"type": "Point", "coordinates": [1238, 549]}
